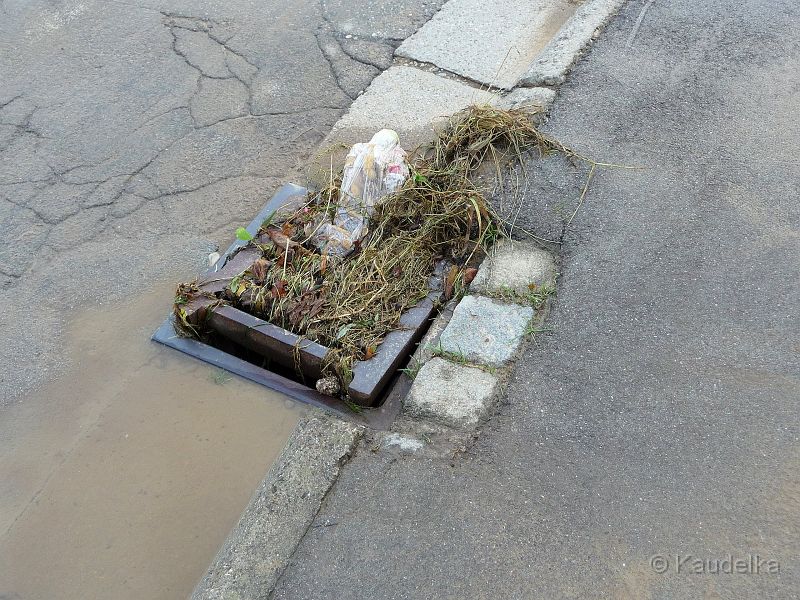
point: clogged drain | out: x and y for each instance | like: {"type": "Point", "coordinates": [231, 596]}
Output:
{"type": "Point", "coordinates": [343, 317]}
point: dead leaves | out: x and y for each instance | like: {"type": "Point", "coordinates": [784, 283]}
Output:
{"type": "Point", "coordinates": [452, 278]}
{"type": "Point", "coordinates": [307, 306]}
{"type": "Point", "coordinates": [260, 269]}
{"type": "Point", "coordinates": [450, 282]}
{"type": "Point", "coordinates": [281, 239]}
{"type": "Point", "coordinates": [279, 289]}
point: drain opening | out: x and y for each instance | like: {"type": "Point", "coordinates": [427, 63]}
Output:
{"type": "Point", "coordinates": [280, 360]}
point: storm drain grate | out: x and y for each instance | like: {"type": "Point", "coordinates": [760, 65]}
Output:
{"type": "Point", "coordinates": [282, 361]}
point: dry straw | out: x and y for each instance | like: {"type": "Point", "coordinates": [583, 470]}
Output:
{"type": "Point", "coordinates": [349, 305]}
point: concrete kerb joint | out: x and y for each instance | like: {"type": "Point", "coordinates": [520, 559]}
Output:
{"type": "Point", "coordinates": [553, 63]}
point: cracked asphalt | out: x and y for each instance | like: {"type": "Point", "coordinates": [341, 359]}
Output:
{"type": "Point", "coordinates": [135, 137]}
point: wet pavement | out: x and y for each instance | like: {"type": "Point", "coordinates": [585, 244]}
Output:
{"type": "Point", "coordinates": [134, 140]}
{"type": "Point", "coordinates": [122, 477]}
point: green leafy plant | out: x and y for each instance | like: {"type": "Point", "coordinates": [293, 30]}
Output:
{"type": "Point", "coordinates": [535, 330]}
{"type": "Point", "coordinates": [243, 235]}
{"type": "Point", "coordinates": [412, 369]}
{"type": "Point", "coordinates": [220, 377]}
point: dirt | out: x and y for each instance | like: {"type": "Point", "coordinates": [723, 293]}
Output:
{"type": "Point", "coordinates": [122, 478]}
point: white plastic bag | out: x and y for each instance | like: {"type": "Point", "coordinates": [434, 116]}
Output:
{"type": "Point", "coordinates": [371, 171]}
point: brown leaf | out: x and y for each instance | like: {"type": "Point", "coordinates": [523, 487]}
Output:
{"type": "Point", "coordinates": [371, 351]}
{"type": "Point", "coordinates": [279, 289]}
{"type": "Point", "coordinates": [316, 308]}
{"type": "Point", "coordinates": [259, 269]}
{"type": "Point", "coordinates": [296, 315]}
{"type": "Point", "coordinates": [281, 239]}
{"type": "Point", "coordinates": [469, 275]}
{"type": "Point", "coordinates": [450, 282]}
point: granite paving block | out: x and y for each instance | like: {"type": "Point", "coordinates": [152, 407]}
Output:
{"type": "Point", "coordinates": [514, 265]}
{"type": "Point", "coordinates": [485, 331]}
{"type": "Point", "coordinates": [451, 394]}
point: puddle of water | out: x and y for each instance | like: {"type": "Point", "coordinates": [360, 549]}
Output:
{"type": "Point", "coordinates": [122, 478]}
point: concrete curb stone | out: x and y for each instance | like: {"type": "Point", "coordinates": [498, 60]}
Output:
{"type": "Point", "coordinates": [550, 67]}
{"type": "Point", "coordinates": [455, 395]}
{"type": "Point", "coordinates": [486, 332]}
{"type": "Point", "coordinates": [408, 100]}
{"type": "Point", "coordinates": [413, 102]}
{"type": "Point", "coordinates": [542, 96]}
{"type": "Point", "coordinates": [478, 330]}
{"type": "Point", "coordinates": [281, 510]}
{"type": "Point", "coordinates": [512, 267]}
{"type": "Point", "coordinates": [492, 43]}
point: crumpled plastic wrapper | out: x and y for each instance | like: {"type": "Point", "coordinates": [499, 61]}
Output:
{"type": "Point", "coordinates": [371, 171]}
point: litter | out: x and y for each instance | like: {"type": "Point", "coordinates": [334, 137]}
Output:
{"type": "Point", "coordinates": [340, 268]}
{"type": "Point", "coordinates": [371, 171]}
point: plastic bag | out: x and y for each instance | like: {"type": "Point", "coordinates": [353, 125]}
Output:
{"type": "Point", "coordinates": [371, 171]}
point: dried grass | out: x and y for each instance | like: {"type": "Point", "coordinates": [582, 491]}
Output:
{"type": "Point", "coordinates": [350, 305]}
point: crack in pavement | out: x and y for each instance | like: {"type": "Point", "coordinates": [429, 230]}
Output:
{"type": "Point", "coordinates": [331, 67]}
{"type": "Point", "coordinates": [123, 182]}
{"type": "Point", "coordinates": [8, 102]}
{"type": "Point", "coordinates": [238, 67]}
{"type": "Point", "coordinates": [177, 22]}
{"type": "Point", "coordinates": [330, 29]}
{"type": "Point", "coordinates": [21, 129]}
{"type": "Point", "coordinates": [351, 56]}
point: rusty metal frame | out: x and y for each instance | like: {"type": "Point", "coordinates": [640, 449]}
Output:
{"type": "Point", "coordinates": [379, 417]}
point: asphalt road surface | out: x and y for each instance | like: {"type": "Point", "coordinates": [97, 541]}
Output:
{"type": "Point", "coordinates": [134, 139]}
{"type": "Point", "coordinates": [649, 446]}
{"type": "Point", "coordinates": [136, 136]}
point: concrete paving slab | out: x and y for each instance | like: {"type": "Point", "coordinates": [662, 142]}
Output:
{"type": "Point", "coordinates": [486, 332]}
{"type": "Point", "coordinates": [514, 265]}
{"type": "Point", "coordinates": [451, 394]}
{"type": "Point", "coordinates": [408, 100]}
{"type": "Point", "coordinates": [552, 64]}
{"type": "Point", "coordinates": [492, 43]}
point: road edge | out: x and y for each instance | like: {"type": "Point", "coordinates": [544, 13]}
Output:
{"type": "Point", "coordinates": [564, 50]}
{"type": "Point", "coordinates": [258, 549]}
